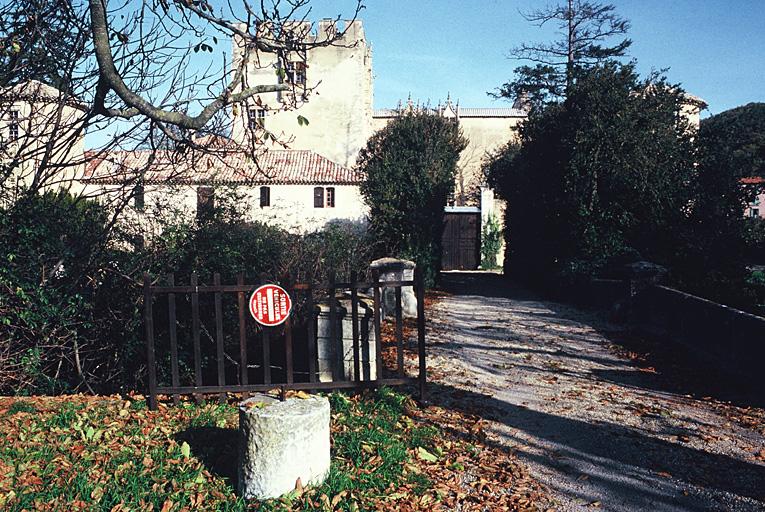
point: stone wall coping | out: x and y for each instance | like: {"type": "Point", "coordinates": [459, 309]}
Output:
{"type": "Point", "coordinates": [391, 265]}
{"type": "Point", "coordinates": [711, 304]}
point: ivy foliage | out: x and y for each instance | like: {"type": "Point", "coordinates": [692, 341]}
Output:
{"type": "Point", "coordinates": [409, 169]}
{"type": "Point", "coordinates": [491, 242]}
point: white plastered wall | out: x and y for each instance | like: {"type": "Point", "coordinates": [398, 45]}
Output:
{"type": "Point", "coordinates": [292, 206]}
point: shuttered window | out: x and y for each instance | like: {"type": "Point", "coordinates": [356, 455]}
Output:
{"type": "Point", "coordinates": [13, 126]}
{"type": "Point", "coordinates": [265, 197]}
{"type": "Point", "coordinates": [139, 196]}
{"type": "Point", "coordinates": [205, 202]}
{"type": "Point", "coordinates": [318, 197]}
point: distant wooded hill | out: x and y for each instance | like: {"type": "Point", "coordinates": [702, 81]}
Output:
{"type": "Point", "coordinates": [738, 134]}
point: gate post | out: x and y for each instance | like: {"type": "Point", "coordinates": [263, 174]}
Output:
{"type": "Point", "coordinates": [420, 285]}
{"type": "Point", "coordinates": [148, 316]}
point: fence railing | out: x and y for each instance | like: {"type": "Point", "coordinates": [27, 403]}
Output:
{"type": "Point", "coordinates": [307, 352]}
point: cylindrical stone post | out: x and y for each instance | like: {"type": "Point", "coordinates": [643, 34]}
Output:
{"type": "Point", "coordinates": [280, 442]}
{"type": "Point", "coordinates": [392, 269]}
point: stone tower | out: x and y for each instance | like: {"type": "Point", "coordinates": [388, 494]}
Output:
{"type": "Point", "coordinates": [338, 100]}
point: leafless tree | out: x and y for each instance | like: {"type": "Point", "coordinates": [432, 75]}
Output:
{"type": "Point", "coordinates": [153, 74]}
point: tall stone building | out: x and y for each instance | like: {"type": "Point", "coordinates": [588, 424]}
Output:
{"type": "Point", "coordinates": [334, 93]}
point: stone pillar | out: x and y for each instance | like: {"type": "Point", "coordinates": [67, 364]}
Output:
{"type": "Point", "coordinates": [335, 357]}
{"type": "Point", "coordinates": [280, 442]}
{"type": "Point", "coordinates": [642, 274]}
{"type": "Point", "coordinates": [392, 269]}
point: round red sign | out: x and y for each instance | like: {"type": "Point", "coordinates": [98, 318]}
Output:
{"type": "Point", "coordinates": [270, 305]}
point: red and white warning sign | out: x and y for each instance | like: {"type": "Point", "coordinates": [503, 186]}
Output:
{"type": "Point", "coordinates": [270, 305]}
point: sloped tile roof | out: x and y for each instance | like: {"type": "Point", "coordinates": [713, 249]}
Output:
{"type": "Point", "coordinates": [273, 167]}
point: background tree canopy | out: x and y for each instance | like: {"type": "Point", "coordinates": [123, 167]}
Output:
{"type": "Point", "coordinates": [720, 243]}
{"type": "Point", "coordinates": [737, 137]}
{"type": "Point", "coordinates": [599, 178]}
{"type": "Point", "coordinates": [409, 168]}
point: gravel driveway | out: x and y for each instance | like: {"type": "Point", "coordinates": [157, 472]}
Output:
{"type": "Point", "coordinates": [596, 428]}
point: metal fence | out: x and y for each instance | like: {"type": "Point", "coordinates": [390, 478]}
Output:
{"type": "Point", "coordinates": [241, 356]}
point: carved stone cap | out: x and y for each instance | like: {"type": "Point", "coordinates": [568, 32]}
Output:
{"type": "Point", "coordinates": [391, 265]}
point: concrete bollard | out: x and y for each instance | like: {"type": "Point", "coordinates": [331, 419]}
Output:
{"type": "Point", "coordinates": [280, 442]}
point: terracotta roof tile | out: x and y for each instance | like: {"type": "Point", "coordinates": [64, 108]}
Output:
{"type": "Point", "coordinates": [274, 167]}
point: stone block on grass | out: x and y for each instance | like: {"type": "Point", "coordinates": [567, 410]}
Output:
{"type": "Point", "coordinates": [281, 441]}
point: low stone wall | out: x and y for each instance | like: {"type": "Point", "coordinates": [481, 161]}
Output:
{"type": "Point", "coordinates": [720, 336]}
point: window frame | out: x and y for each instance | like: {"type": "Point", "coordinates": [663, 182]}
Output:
{"type": "Point", "coordinates": [14, 125]}
{"type": "Point", "coordinates": [318, 197]}
{"type": "Point", "coordinates": [256, 118]}
{"type": "Point", "coordinates": [205, 202]}
{"type": "Point", "coordinates": [296, 70]}
{"type": "Point", "coordinates": [265, 199]}
{"type": "Point", "coordinates": [329, 198]}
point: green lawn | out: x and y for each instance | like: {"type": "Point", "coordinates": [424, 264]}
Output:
{"type": "Point", "coordinates": [112, 454]}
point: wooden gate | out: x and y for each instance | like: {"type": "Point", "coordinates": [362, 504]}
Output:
{"type": "Point", "coordinates": [461, 241]}
{"type": "Point", "coordinates": [247, 357]}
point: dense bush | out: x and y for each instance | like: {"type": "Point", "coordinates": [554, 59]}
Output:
{"type": "Point", "coordinates": [598, 179]}
{"type": "Point", "coordinates": [409, 168]}
{"type": "Point", "coordinates": [70, 283]}
{"type": "Point", "coordinates": [55, 267]}
{"type": "Point", "coordinates": [615, 174]}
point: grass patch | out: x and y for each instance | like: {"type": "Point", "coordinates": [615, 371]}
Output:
{"type": "Point", "coordinates": [78, 453]}
{"type": "Point", "coordinates": [21, 406]}
{"type": "Point", "coordinates": [110, 454]}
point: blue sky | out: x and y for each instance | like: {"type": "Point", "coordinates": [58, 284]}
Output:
{"type": "Point", "coordinates": [430, 48]}
{"type": "Point", "coordinates": [714, 48]}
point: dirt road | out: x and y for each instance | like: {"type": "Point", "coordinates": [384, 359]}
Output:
{"type": "Point", "coordinates": [598, 429]}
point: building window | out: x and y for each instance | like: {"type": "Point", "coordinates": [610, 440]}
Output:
{"type": "Point", "coordinates": [205, 202]}
{"type": "Point", "coordinates": [754, 212]}
{"type": "Point", "coordinates": [296, 72]}
{"type": "Point", "coordinates": [13, 126]}
{"type": "Point", "coordinates": [139, 197]}
{"type": "Point", "coordinates": [324, 197]}
{"type": "Point", "coordinates": [265, 197]}
{"type": "Point", "coordinates": [257, 118]}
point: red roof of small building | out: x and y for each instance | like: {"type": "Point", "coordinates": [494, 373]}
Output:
{"type": "Point", "coordinates": [272, 167]}
{"type": "Point", "coordinates": [753, 180]}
